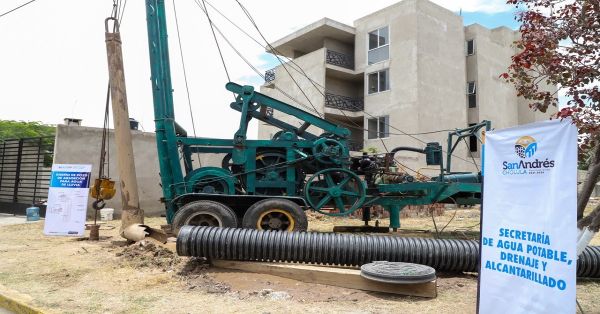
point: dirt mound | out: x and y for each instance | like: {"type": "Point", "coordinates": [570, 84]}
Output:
{"type": "Point", "coordinates": [148, 254]}
{"type": "Point", "coordinates": [195, 276]}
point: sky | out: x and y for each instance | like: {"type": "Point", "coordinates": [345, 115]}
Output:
{"type": "Point", "coordinates": [53, 56]}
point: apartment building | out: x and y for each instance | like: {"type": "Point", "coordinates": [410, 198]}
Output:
{"type": "Point", "coordinates": [411, 68]}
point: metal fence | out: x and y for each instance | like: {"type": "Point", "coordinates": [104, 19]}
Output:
{"type": "Point", "coordinates": [25, 167]}
{"type": "Point", "coordinates": [344, 102]}
{"type": "Point", "coordinates": [340, 59]}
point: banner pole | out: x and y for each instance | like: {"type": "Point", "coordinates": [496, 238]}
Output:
{"type": "Point", "coordinates": [481, 218]}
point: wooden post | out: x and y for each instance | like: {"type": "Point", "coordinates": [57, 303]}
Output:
{"type": "Point", "coordinates": [131, 211]}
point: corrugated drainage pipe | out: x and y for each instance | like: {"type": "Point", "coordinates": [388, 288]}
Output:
{"type": "Point", "coordinates": [343, 249]}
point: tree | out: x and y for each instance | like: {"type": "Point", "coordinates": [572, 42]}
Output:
{"type": "Point", "coordinates": [20, 129]}
{"type": "Point", "coordinates": [560, 45]}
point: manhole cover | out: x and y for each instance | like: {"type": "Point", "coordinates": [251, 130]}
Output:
{"type": "Point", "coordinates": [397, 272]}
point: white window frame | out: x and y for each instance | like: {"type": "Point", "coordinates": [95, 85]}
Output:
{"type": "Point", "coordinates": [377, 30]}
{"type": "Point", "coordinates": [467, 47]}
{"type": "Point", "coordinates": [378, 132]}
{"type": "Point", "coordinates": [378, 85]}
{"type": "Point", "coordinates": [378, 47]}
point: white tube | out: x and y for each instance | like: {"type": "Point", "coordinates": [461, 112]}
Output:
{"type": "Point", "coordinates": [584, 238]}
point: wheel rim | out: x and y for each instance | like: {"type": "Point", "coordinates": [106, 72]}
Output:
{"type": "Point", "coordinates": [204, 219]}
{"type": "Point", "coordinates": [336, 187]}
{"type": "Point", "coordinates": [275, 219]}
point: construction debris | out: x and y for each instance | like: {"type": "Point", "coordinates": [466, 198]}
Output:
{"type": "Point", "coordinates": [138, 232]}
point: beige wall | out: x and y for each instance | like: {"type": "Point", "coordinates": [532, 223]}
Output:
{"type": "Point", "coordinates": [427, 75]}
{"type": "Point", "coordinates": [429, 71]}
{"type": "Point", "coordinates": [313, 65]}
{"type": "Point", "coordinates": [441, 71]}
{"type": "Point", "coordinates": [338, 46]}
{"type": "Point", "coordinates": [81, 145]}
{"type": "Point", "coordinates": [344, 87]}
{"type": "Point", "coordinates": [401, 100]}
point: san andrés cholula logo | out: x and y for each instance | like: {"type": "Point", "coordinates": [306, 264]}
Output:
{"type": "Point", "coordinates": [525, 148]}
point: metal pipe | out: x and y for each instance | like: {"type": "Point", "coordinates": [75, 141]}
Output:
{"type": "Point", "coordinates": [448, 255]}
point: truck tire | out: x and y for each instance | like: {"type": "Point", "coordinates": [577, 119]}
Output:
{"type": "Point", "coordinates": [275, 214]}
{"type": "Point", "coordinates": [204, 213]}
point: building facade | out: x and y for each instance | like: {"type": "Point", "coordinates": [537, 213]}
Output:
{"type": "Point", "coordinates": [399, 75]}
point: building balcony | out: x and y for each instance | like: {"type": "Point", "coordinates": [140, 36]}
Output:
{"type": "Point", "coordinates": [339, 59]}
{"type": "Point", "coordinates": [353, 104]}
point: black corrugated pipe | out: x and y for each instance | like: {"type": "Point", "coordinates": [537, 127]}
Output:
{"type": "Point", "coordinates": [343, 249]}
{"type": "Point", "coordinates": [406, 148]}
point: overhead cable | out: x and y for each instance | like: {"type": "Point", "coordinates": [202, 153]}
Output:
{"type": "Point", "coordinates": [15, 9]}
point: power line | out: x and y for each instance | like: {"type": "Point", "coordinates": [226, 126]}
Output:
{"type": "Point", "coordinates": [258, 72]}
{"type": "Point", "coordinates": [22, 5]}
{"type": "Point", "coordinates": [205, 9]}
{"type": "Point", "coordinates": [185, 79]}
{"type": "Point", "coordinates": [249, 16]}
{"type": "Point", "coordinates": [210, 22]}
{"type": "Point", "coordinates": [301, 71]}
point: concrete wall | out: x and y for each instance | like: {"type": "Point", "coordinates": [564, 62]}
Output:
{"type": "Point", "coordinates": [441, 72]}
{"type": "Point", "coordinates": [427, 75]}
{"type": "Point", "coordinates": [313, 65]}
{"type": "Point", "coordinates": [429, 71]}
{"type": "Point", "coordinates": [81, 145]}
{"type": "Point", "coordinates": [400, 102]}
{"type": "Point", "coordinates": [338, 46]}
{"type": "Point", "coordinates": [496, 100]}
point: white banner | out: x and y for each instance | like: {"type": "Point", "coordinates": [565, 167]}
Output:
{"type": "Point", "coordinates": [67, 200]}
{"type": "Point", "coordinates": [529, 233]}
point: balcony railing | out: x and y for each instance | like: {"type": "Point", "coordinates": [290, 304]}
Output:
{"type": "Point", "coordinates": [269, 75]}
{"type": "Point", "coordinates": [344, 102]}
{"type": "Point", "coordinates": [340, 59]}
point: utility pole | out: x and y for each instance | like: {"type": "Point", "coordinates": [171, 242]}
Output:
{"type": "Point", "coordinates": [131, 211]}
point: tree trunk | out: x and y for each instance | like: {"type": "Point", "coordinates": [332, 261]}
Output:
{"type": "Point", "coordinates": [592, 221]}
{"type": "Point", "coordinates": [589, 184]}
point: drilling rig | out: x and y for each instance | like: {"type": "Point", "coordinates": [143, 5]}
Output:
{"type": "Point", "coordinates": [269, 184]}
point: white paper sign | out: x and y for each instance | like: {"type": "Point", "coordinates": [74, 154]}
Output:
{"type": "Point", "coordinates": [529, 236]}
{"type": "Point", "coordinates": [67, 200]}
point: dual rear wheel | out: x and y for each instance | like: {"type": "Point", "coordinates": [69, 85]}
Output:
{"type": "Point", "coordinates": [268, 214]}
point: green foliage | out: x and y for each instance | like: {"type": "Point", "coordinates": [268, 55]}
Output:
{"type": "Point", "coordinates": [20, 129]}
{"type": "Point", "coordinates": [370, 150]}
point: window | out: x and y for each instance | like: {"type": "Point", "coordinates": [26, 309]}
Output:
{"type": "Point", "coordinates": [472, 94]}
{"type": "Point", "coordinates": [379, 81]}
{"type": "Point", "coordinates": [470, 47]}
{"type": "Point", "coordinates": [378, 127]}
{"type": "Point", "coordinates": [378, 38]}
{"type": "Point", "coordinates": [379, 41]}
{"type": "Point", "coordinates": [473, 141]}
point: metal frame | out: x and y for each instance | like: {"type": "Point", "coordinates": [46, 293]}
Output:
{"type": "Point", "coordinates": [296, 144]}
{"type": "Point", "coordinates": [25, 167]}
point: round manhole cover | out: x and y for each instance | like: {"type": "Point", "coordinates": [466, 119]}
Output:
{"type": "Point", "coordinates": [397, 272]}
